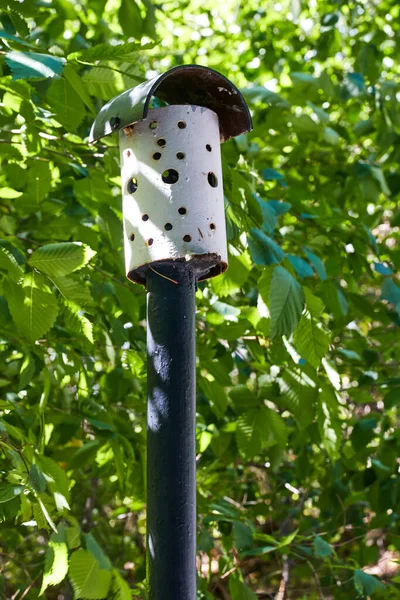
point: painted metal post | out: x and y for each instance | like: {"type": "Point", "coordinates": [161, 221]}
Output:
{"type": "Point", "coordinates": [174, 236]}
{"type": "Point", "coordinates": [171, 427]}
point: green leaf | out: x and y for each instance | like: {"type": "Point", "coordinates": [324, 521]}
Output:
{"type": "Point", "coordinates": [76, 82]}
{"type": "Point", "coordinates": [9, 492]}
{"type": "Point", "coordinates": [392, 398]}
{"type": "Point", "coordinates": [331, 136]}
{"type": "Point", "coordinates": [57, 482]}
{"type": "Point", "coordinates": [390, 291]}
{"type": "Point", "coordinates": [272, 175]}
{"type": "Point", "coordinates": [215, 394]}
{"type": "Point", "coordinates": [78, 323]}
{"type": "Point", "coordinates": [240, 591]}
{"type": "Point", "coordinates": [264, 284]}
{"type": "Point", "coordinates": [27, 371]}
{"type": "Point", "coordinates": [363, 433]}
{"type": "Point", "coordinates": [73, 536]}
{"type": "Point", "coordinates": [313, 303]}
{"type": "Point", "coordinates": [242, 535]}
{"type": "Point", "coordinates": [90, 191]}
{"type": "Point", "coordinates": [230, 282]}
{"type": "Point", "coordinates": [248, 436]}
{"type": "Point", "coordinates": [31, 65]}
{"type": "Point", "coordinates": [9, 264]}
{"type": "Point", "coordinates": [123, 52]}
{"type": "Point", "coordinates": [103, 83]}
{"type": "Point", "coordinates": [73, 290]}
{"type": "Point", "coordinates": [311, 340]}
{"type": "Point", "coordinates": [304, 125]}
{"type": "Point", "coordinates": [6, 35]}
{"type": "Point", "coordinates": [37, 187]}
{"type": "Point", "coordinates": [36, 479]}
{"type": "Point", "coordinates": [42, 515]}
{"type": "Point", "coordinates": [321, 548]}
{"type": "Point", "coordinates": [130, 19]}
{"type": "Point", "coordinates": [56, 560]}
{"type": "Point", "coordinates": [286, 302]}
{"type": "Point", "coordinates": [328, 424]}
{"type": "Point", "coordinates": [121, 589]}
{"type": "Point", "coordinates": [88, 580]}
{"type": "Point", "coordinates": [367, 584]}
{"type": "Point", "coordinates": [110, 226]}
{"type": "Point", "coordinates": [58, 260]}
{"type": "Point", "coordinates": [317, 264]}
{"type": "Point", "coordinates": [301, 267]}
{"type": "Point", "coordinates": [259, 551]}
{"type": "Point", "coordinates": [258, 428]}
{"type": "Point", "coordinates": [269, 219]}
{"type": "Point", "coordinates": [9, 194]}
{"type": "Point", "coordinates": [299, 395]}
{"type": "Point", "coordinates": [280, 207]}
{"type": "Point", "coordinates": [33, 308]}
{"type": "Point", "coordinates": [94, 548]}
{"type": "Point", "coordinates": [263, 250]}
{"type": "Point", "coordinates": [243, 398]}
{"type": "Point", "coordinates": [10, 508]}
{"type": "Point", "coordinates": [382, 269]}
{"type": "Point", "coordinates": [66, 103]}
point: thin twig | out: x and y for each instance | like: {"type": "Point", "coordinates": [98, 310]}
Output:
{"type": "Point", "coordinates": [135, 77]}
{"type": "Point", "coordinates": [164, 276]}
{"type": "Point", "coordinates": [29, 587]}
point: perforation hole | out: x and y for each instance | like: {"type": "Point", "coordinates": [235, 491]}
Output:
{"type": "Point", "coordinates": [182, 210]}
{"type": "Point", "coordinates": [153, 125]}
{"type": "Point", "coordinates": [161, 142]}
{"type": "Point", "coordinates": [181, 124]}
{"type": "Point", "coordinates": [150, 242]}
{"type": "Point", "coordinates": [145, 217]}
{"type": "Point", "coordinates": [115, 123]}
{"type": "Point", "coordinates": [212, 226]}
{"type": "Point", "coordinates": [170, 176]}
{"type": "Point", "coordinates": [168, 226]}
{"type": "Point", "coordinates": [212, 179]}
{"type": "Point", "coordinates": [128, 153]}
{"type": "Point", "coordinates": [132, 237]}
{"type": "Point", "coordinates": [187, 238]}
{"type": "Point", "coordinates": [157, 155]}
{"type": "Point", "coordinates": [180, 155]}
{"type": "Point", "coordinates": [208, 147]}
{"type": "Point", "coordinates": [132, 185]}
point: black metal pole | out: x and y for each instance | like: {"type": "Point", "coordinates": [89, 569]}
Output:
{"type": "Point", "coordinates": [171, 427]}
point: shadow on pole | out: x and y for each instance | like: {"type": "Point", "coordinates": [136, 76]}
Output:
{"type": "Point", "coordinates": [171, 443]}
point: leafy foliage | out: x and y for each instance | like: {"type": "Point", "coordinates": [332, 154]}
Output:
{"type": "Point", "coordinates": [298, 342]}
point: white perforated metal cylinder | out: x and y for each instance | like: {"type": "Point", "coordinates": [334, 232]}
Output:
{"type": "Point", "coordinates": [173, 201]}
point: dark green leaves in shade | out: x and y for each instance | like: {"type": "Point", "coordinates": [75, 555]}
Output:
{"type": "Point", "coordinates": [321, 548]}
{"type": "Point", "coordinates": [240, 591]}
{"type": "Point", "coordinates": [66, 103]}
{"type": "Point", "coordinates": [31, 65]}
{"type": "Point", "coordinates": [367, 584]}
{"type": "Point", "coordinates": [263, 250]}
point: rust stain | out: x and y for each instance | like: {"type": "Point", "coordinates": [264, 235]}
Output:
{"type": "Point", "coordinates": [129, 130]}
